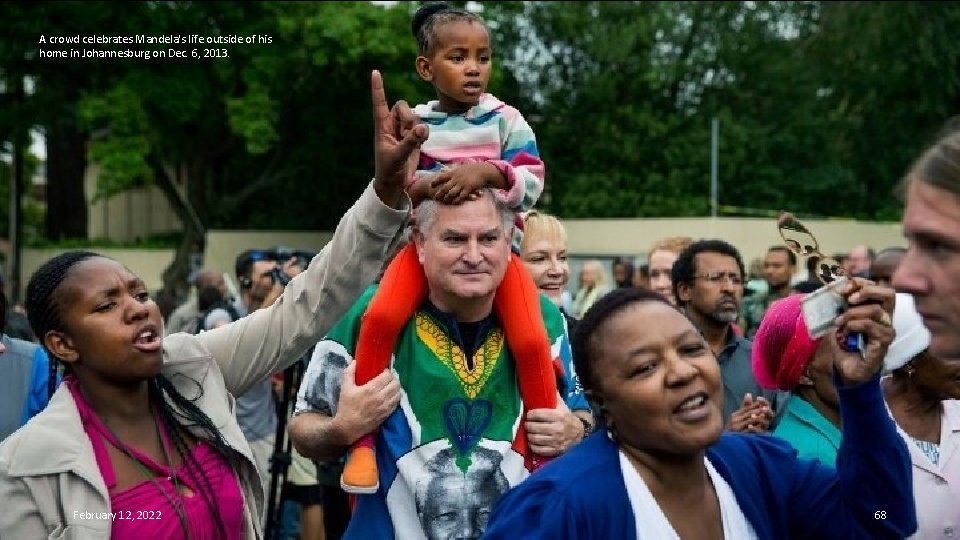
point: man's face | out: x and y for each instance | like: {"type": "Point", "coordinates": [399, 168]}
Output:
{"type": "Point", "coordinates": [716, 290]}
{"type": "Point", "coordinates": [260, 275]}
{"type": "Point", "coordinates": [777, 269]}
{"type": "Point", "coordinates": [464, 254]}
{"type": "Point", "coordinates": [929, 270]}
{"type": "Point", "coordinates": [858, 261]}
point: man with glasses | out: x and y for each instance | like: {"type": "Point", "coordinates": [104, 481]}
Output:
{"type": "Point", "coordinates": [708, 280]}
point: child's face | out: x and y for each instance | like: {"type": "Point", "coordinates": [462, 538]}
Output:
{"type": "Point", "coordinates": [459, 66]}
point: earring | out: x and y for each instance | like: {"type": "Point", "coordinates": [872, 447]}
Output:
{"type": "Point", "coordinates": [608, 422]}
{"type": "Point", "coordinates": [909, 369]}
{"type": "Point", "coordinates": [612, 433]}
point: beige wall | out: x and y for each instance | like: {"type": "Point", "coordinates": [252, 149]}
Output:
{"type": "Point", "coordinates": [149, 264]}
{"type": "Point", "coordinates": [222, 249]}
{"type": "Point", "coordinates": [752, 236]}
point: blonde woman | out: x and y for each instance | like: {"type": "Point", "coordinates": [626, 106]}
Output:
{"type": "Point", "coordinates": [544, 254]}
{"type": "Point", "coordinates": [594, 283]}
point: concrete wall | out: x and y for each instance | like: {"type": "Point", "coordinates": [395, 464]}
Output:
{"type": "Point", "coordinates": [149, 264]}
{"type": "Point", "coordinates": [752, 236]}
{"type": "Point", "coordinates": [222, 249]}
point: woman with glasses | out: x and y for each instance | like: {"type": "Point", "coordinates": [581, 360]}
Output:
{"type": "Point", "coordinates": [662, 467]}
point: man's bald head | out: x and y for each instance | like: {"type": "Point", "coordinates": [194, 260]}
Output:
{"type": "Point", "coordinates": [209, 277]}
{"type": "Point", "coordinates": [859, 259]}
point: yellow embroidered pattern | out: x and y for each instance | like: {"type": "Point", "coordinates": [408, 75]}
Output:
{"type": "Point", "coordinates": [450, 354]}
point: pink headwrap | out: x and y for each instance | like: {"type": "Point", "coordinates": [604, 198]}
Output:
{"type": "Point", "coordinates": [782, 347]}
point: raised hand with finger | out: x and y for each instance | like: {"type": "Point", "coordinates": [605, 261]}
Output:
{"type": "Point", "coordinates": [397, 139]}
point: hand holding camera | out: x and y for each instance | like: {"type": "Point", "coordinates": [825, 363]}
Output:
{"type": "Point", "coordinates": [868, 314]}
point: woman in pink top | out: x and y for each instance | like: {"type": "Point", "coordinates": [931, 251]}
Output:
{"type": "Point", "coordinates": [142, 442]}
{"type": "Point", "coordinates": [923, 396]}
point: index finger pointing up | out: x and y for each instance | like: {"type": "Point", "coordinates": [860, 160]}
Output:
{"type": "Point", "coordinates": [380, 109]}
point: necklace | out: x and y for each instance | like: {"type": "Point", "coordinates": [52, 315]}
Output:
{"type": "Point", "coordinates": [177, 508]}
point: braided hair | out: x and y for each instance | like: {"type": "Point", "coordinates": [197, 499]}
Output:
{"type": "Point", "coordinates": [44, 312]}
{"type": "Point", "coordinates": [431, 16]}
{"type": "Point", "coordinates": [160, 387]}
{"type": "Point", "coordinates": [584, 344]}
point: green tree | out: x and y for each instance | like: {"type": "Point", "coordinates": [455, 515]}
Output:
{"type": "Point", "coordinates": [891, 72]}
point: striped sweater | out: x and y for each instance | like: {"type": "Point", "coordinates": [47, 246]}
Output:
{"type": "Point", "coordinates": [490, 131]}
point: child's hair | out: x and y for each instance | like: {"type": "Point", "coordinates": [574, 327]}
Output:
{"type": "Point", "coordinates": [431, 16]}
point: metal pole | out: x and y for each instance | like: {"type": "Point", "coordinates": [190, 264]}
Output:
{"type": "Point", "coordinates": [16, 195]}
{"type": "Point", "coordinates": [714, 163]}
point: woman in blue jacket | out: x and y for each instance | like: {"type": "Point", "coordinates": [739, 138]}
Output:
{"type": "Point", "coordinates": [663, 468]}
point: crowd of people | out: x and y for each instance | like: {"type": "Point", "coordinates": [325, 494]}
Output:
{"type": "Point", "coordinates": [446, 380]}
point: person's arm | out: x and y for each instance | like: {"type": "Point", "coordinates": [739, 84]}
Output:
{"type": "Point", "coordinates": [315, 435]}
{"type": "Point", "coordinates": [551, 432]}
{"type": "Point", "coordinates": [574, 397]}
{"type": "Point", "coordinates": [270, 339]}
{"type": "Point", "coordinates": [420, 189]}
{"type": "Point", "coordinates": [517, 177]}
{"type": "Point", "coordinates": [520, 164]}
{"type": "Point", "coordinates": [870, 495]}
{"type": "Point", "coordinates": [331, 411]}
